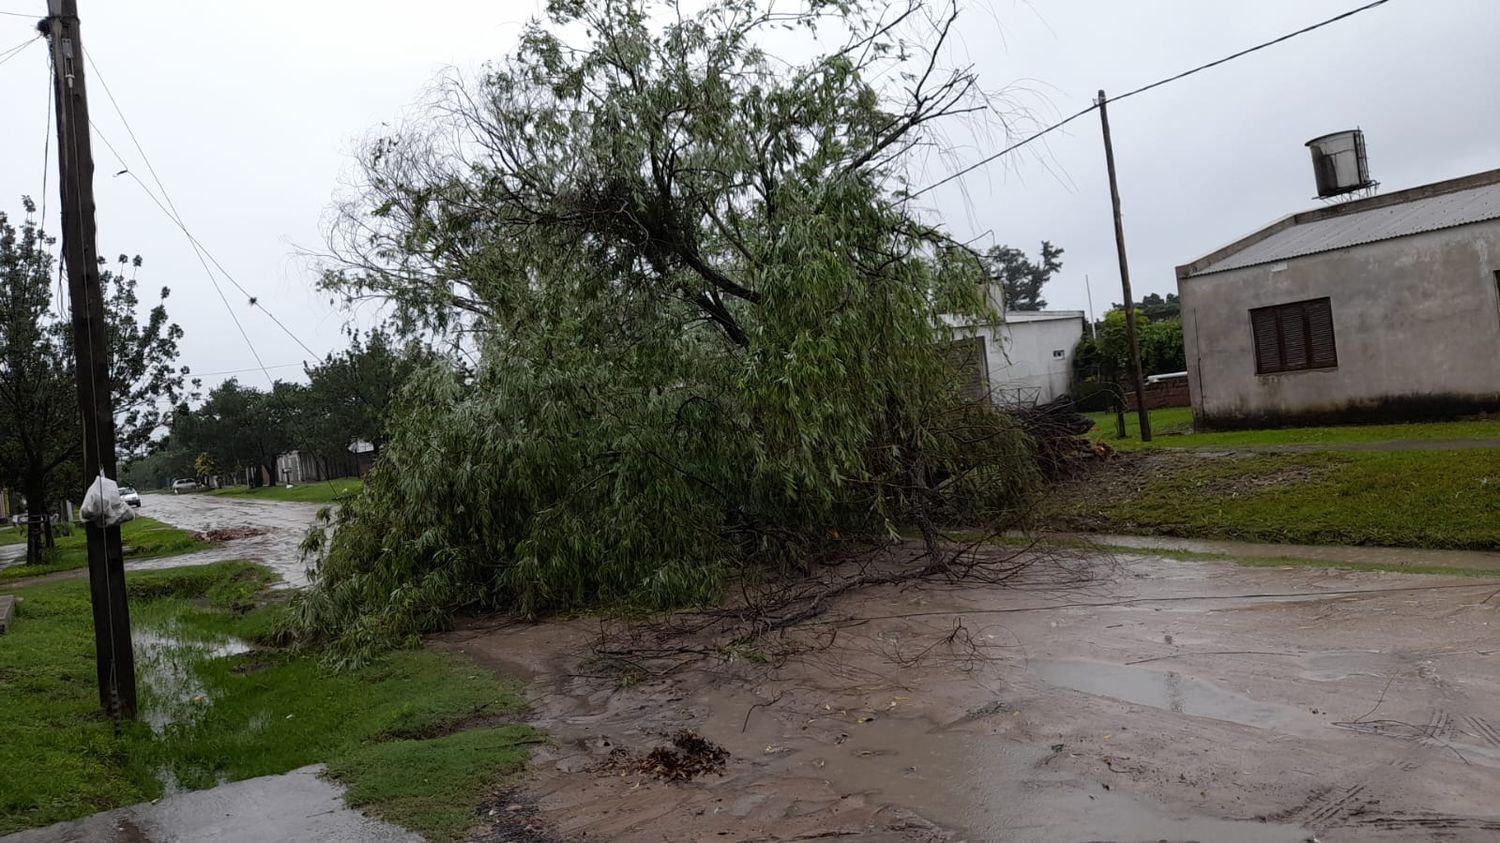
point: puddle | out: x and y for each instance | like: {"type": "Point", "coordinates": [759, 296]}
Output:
{"type": "Point", "coordinates": [1166, 690]}
{"type": "Point", "coordinates": [166, 664]}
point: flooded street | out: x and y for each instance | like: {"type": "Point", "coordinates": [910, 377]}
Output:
{"type": "Point", "coordinates": [1164, 700]}
{"type": "Point", "coordinates": [285, 524]}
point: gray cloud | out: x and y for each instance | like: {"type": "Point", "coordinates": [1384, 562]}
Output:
{"type": "Point", "coordinates": [250, 112]}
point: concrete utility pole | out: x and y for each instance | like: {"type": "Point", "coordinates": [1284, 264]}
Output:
{"type": "Point", "coordinates": [1135, 348]}
{"type": "Point", "coordinates": [114, 657]}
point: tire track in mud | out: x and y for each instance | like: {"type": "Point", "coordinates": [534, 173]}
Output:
{"type": "Point", "coordinates": [1357, 806]}
{"type": "Point", "coordinates": [1484, 730]}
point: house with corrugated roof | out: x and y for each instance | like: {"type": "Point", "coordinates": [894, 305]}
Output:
{"type": "Point", "coordinates": [1384, 308]}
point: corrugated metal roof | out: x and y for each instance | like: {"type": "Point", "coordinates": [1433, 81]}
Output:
{"type": "Point", "coordinates": [1446, 210]}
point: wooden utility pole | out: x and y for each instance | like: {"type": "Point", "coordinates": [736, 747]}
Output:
{"type": "Point", "coordinates": [114, 657]}
{"type": "Point", "coordinates": [1135, 348]}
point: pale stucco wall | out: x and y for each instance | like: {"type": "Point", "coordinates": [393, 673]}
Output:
{"type": "Point", "coordinates": [1021, 353]}
{"type": "Point", "coordinates": [1416, 324]}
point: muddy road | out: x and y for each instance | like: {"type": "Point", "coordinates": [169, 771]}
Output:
{"type": "Point", "coordinates": [284, 523]}
{"type": "Point", "coordinates": [1163, 700]}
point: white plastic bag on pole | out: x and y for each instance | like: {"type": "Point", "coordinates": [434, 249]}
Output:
{"type": "Point", "coordinates": [102, 504]}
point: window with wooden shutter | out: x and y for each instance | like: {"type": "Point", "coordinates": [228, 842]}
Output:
{"type": "Point", "coordinates": [1293, 337]}
{"type": "Point", "coordinates": [967, 358]}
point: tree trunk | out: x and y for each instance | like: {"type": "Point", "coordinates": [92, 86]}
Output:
{"type": "Point", "coordinates": [36, 507]}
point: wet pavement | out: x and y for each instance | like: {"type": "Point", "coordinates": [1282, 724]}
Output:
{"type": "Point", "coordinates": [10, 554]}
{"type": "Point", "coordinates": [285, 524]}
{"type": "Point", "coordinates": [296, 807]}
{"type": "Point", "coordinates": [1163, 700]}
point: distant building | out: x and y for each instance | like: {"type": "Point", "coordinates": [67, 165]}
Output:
{"type": "Point", "coordinates": [298, 467]}
{"type": "Point", "coordinates": [1025, 359]}
{"type": "Point", "coordinates": [1383, 308]}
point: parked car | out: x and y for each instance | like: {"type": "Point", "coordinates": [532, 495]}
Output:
{"type": "Point", "coordinates": [186, 484]}
{"type": "Point", "coordinates": [129, 495]}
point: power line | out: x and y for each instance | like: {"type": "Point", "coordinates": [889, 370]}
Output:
{"type": "Point", "coordinates": [1232, 56]}
{"type": "Point", "coordinates": [32, 15]}
{"type": "Point", "coordinates": [11, 52]}
{"type": "Point", "coordinates": [173, 213]}
{"type": "Point", "coordinates": [243, 371]}
{"type": "Point", "coordinates": [196, 251]}
{"type": "Point", "coordinates": [1186, 73]}
{"type": "Point", "coordinates": [1012, 148]}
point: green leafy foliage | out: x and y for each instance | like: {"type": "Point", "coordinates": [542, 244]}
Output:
{"type": "Point", "coordinates": [709, 327]}
{"type": "Point", "coordinates": [1105, 357]}
{"type": "Point", "coordinates": [238, 428]}
{"type": "Point", "coordinates": [1159, 309]}
{"type": "Point", "coordinates": [39, 417]}
{"type": "Point", "coordinates": [350, 395]}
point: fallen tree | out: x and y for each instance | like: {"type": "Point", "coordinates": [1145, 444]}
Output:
{"type": "Point", "coordinates": [708, 322]}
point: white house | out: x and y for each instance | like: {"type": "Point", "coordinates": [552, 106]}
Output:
{"type": "Point", "coordinates": [1025, 359]}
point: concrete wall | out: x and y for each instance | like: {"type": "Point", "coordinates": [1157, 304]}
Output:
{"type": "Point", "coordinates": [1021, 354]}
{"type": "Point", "coordinates": [1416, 324]}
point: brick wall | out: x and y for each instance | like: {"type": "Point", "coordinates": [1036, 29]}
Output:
{"type": "Point", "coordinates": [1172, 393]}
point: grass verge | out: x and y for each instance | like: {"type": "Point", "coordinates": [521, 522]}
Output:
{"type": "Point", "coordinates": [1427, 499]}
{"type": "Point", "coordinates": [323, 492]}
{"type": "Point", "coordinates": [220, 703]}
{"type": "Point", "coordinates": [142, 538]}
{"type": "Point", "coordinates": [1172, 427]}
{"type": "Point", "coordinates": [413, 782]}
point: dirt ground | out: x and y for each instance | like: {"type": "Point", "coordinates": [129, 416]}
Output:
{"type": "Point", "coordinates": [1159, 700]}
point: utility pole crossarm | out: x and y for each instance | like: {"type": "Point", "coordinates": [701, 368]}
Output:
{"type": "Point", "coordinates": [113, 653]}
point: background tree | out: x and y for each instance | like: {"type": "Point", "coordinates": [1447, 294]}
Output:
{"type": "Point", "coordinates": [39, 417]}
{"type": "Point", "coordinates": [1021, 279]}
{"type": "Point", "coordinates": [240, 429]}
{"type": "Point", "coordinates": [143, 365]}
{"type": "Point", "coordinates": [708, 321]}
{"type": "Point", "coordinates": [1105, 357]}
{"type": "Point", "coordinates": [205, 468]}
{"type": "Point", "coordinates": [1159, 309]}
{"type": "Point", "coordinates": [350, 396]}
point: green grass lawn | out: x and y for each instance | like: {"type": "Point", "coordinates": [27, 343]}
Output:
{"type": "Point", "coordinates": [322, 492]}
{"type": "Point", "coordinates": [1169, 421]}
{"type": "Point", "coordinates": [219, 702]}
{"type": "Point", "coordinates": [1173, 428]}
{"type": "Point", "coordinates": [1433, 499]}
{"type": "Point", "coordinates": [142, 538]}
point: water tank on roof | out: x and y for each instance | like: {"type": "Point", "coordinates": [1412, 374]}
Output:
{"type": "Point", "coordinates": [1339, 163]}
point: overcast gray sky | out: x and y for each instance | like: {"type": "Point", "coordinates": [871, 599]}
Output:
{"type": "Point", "coordinates": [251, 112]}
